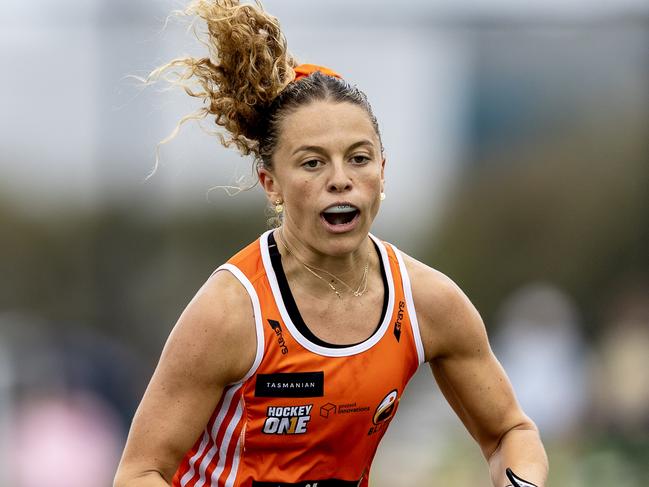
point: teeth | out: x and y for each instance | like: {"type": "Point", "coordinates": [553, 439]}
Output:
{"type": "Point", "coordinates": [340, 209]}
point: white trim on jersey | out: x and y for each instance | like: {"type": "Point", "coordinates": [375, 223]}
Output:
{"type": "Point", "coordinates": [410, 303]}
{"type": "Point", "coordinates": [305, 342]}
{"type": "Point", "coordinates": [218, 421]}
{"type": "Point", "coordinates": [223, 451]}
{"type": "Point", "coordinates": [229, 482]}
{"type": "Point", "coordinates": [229, 392]}
{"type": "Point", "coordinates": [256, 308]}
{"type": "Point", "coordinates": [189, 474]}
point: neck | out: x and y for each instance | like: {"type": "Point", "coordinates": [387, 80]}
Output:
{"type": "Point", "coordinates": [348, 267]}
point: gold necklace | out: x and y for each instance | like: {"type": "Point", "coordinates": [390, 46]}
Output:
{"type": "Point", "coordinates": [362, 285]}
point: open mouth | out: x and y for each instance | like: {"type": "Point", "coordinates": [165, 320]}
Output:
{"type": "Point", "coordinates": [340, 214]}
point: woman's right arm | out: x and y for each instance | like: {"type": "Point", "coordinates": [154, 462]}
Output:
{"type": "Point", "coordinates": [212, 345]}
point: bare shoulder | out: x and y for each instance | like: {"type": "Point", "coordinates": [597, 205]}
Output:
{"type": "Point", "coordinates": [217, 330]}
{"type": "Point", "coordinates": [448, 321]}
{"type": "Point", "coordinates": [213, 344]}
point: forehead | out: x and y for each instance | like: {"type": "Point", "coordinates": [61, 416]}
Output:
{"type": "Point", "coordinates": [326, 124]}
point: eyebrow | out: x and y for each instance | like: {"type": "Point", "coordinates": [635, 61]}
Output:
{"type": "Point", "coordinates": [320, 150]}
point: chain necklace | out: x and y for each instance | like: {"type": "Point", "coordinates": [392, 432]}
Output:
{"type": "Point", "coordinates": [362, 285]}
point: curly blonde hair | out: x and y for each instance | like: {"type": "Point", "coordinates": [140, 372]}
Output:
{"type": "Point", "coordinates": [247, 67]}
{"type": "Point", "coordinates": [246, 81]}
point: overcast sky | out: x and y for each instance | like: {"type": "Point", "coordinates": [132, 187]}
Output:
{"type": "Point", "coordinates": [71, 126]}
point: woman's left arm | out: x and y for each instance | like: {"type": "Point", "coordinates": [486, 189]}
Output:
{"type": "Point", "coordinates": [473, 381]}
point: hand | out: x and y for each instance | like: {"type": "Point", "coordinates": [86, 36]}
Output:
{"type": "Point", "coordinates": [516, 481]}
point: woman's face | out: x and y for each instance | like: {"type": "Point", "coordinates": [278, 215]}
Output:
{"type": "Point", "coordinates": [328, 171]}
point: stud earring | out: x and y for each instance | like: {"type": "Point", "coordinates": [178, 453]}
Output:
{"type": "Point", "coordinates": [382, 196]}
{"type": "Point", "coordinates": [279, 208]}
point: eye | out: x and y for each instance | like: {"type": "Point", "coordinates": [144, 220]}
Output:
{"type": "Point", "coordinates": [311, 164]}
{"type": "Point", "coordinates": [360, 159]}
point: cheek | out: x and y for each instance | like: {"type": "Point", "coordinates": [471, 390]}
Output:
{"type": "Point", "coordinates": [301, 189]}
{"type": "Point", "coordinates": [374, 183]}
{"type": "Point", "coordinates": [300, 194]}
{"type": "Point", "coordinates": [373, 190]}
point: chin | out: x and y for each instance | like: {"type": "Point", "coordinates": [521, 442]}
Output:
{"type": "Point", "coordinates": [342, 243]}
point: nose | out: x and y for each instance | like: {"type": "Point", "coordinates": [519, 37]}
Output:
{"type": "Point", "coordinates": [339, 180]}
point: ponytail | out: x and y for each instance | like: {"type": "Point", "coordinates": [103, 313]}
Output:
{"type": "Point", "coordinates": [247, 67]}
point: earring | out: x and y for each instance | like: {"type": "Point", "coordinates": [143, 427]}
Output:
{"type": "Point", "coordinates": [382, 196]}
{"type": "Point", "coordinates": [279, 208]}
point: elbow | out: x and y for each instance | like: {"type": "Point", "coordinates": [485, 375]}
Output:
{"type": "Point", "coordinates": [123, 478]}
{"type": "Point", "coordinates": [119, 480]}
{"type": "Point", "coordinates": [522, 423]}
{"type": "Point", "coordinates": [525, 424]}
{"type": "Point", "coordinates": [123, 475]}
{"type": "Point", "coordinates": [131, 479]}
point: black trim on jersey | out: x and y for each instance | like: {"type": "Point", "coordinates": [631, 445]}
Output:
{"type": "Point", "coordinates": [291, 305]}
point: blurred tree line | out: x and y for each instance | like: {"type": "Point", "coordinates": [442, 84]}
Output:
{"type": "Point", "coordinates": [580, 225]}
{"type": "Point", "coordinates": [115, 269]}
{"type": "Point", "coordinates": [567, 204]}
{"type": "Point", "coordinates": [572, 210]}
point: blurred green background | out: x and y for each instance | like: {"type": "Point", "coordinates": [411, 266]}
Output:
{"type": "Point", "coordinates": [517, 138]}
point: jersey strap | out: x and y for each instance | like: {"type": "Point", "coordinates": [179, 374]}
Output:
{"type": "Point", "coordinates": [306, 414]}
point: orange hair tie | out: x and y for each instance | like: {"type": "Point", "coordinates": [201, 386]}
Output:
{"type": "Point", "coordinates": [304, 70]}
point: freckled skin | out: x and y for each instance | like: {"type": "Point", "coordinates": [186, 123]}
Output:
{"type": "Point", "coordinates": [342, 172]}
{"type": "Point", "coordinates": [327, 153]}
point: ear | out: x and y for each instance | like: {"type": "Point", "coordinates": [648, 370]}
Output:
{"type": "Point", "coordinates": [383, 174]}
{"type": "Point", "coordinates": [269, 182]}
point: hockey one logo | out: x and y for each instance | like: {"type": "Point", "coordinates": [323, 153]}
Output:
{"type": "Point", "coordinates": [384, 412]}
{"type": "Point", "coordinates": [287, 420]}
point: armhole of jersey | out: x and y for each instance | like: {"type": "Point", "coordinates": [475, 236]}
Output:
{"type": "Point", "coordinates": [256, 307]}
{"type": "Point", "coordinates": [410, 303]}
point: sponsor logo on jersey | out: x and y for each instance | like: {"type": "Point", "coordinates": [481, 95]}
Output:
{"type": "Point", "coordinates": [397, 324]}
{"type": "Point", "coordinates": [329, 409]}
{"type": "Point", "coordinates": [384, 412]}
{"type": "Point", "coordinates": [287, 420]}
{"type": "Point", "coordinates": [295, 384]}
{"type": "Point", "coordinates": [277, 328]}
{"type": "Point", "coordinates": [352, 407]}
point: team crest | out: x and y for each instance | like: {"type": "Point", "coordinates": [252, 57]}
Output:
{"type": "Point", "coordinates": [384, 412]}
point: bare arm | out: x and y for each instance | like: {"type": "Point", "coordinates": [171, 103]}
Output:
{"type": "Point", "coordinates": [212, 345]}
{"type": "Point", "coordinates": [472, 379]}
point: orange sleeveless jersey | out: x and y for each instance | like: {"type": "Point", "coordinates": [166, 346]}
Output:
{"type": "Point", "coordinates": [306, 414]}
